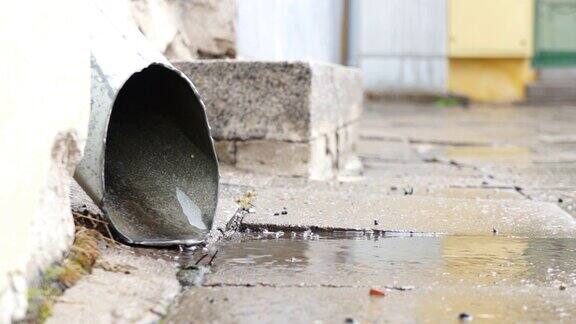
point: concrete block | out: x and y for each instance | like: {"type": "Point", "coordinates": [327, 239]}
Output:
{"type": "Point", "coordinates": [276, 157]}
{"type": "Point", "coordinates": [335, 98]}
{"type": "Point", "coordinates": [347, 137]}
{"type": "Point", "coordinates": [322, 158]}
{"type": "Point", "coordinates": [292, 101]}
{"type": "Point", "coordinates": [312, 159]}
{"type": "Point", "coordinates": [290, 118]}
{"type": "Point", "coordinates": [226, 152]}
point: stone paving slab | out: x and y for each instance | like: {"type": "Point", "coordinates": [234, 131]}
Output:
{"type": "Point", "coordinates": [410, 213]}
{"type": "Point", "coordinates": [473, 193]}
{"type": "Point", "coordinates": [132, 289]}
{"type": "Point", "coordinates": [330, 305]}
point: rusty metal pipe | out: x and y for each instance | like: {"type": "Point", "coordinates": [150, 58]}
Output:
{"type": "Point", "coordinates": [149, 160]}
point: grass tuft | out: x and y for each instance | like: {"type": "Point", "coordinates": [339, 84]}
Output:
{"type": "Point", "coordinates": [84, 253]}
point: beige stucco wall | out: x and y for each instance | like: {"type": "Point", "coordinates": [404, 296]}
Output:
{"type": "Point", "coordinates": [44, 108]}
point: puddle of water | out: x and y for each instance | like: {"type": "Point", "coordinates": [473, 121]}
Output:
{"type": "Point", "coordinates": [516, 155]}
{"type": "Point", "coordinates": [494, 279]}
{"type": "Point", "coordinates": [425, 261]}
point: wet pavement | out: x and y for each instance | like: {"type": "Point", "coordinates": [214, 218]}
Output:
{"type": "Point", "coordinates": [458, 213]}
{"type": "Point", "coordinates": [377, 212]}
{"type": "Point", "coordinates": [425, 279]}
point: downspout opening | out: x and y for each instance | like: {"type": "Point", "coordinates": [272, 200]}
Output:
{"type": "Point", "coordinates": [160, 169]}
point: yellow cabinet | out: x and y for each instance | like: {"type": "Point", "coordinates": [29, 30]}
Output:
{"type": "Point", "coordinates": [490, 28]}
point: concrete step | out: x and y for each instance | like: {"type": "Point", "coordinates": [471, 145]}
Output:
{"type": "Point", "coordinates": [568, 91]}
{"type": "Point", "coordinates": [552, 90]}
{"type": "Point", "coordinates": [286, 118]}
{"type": "Point", "coordinates": [557, 74]}
{"type": "Point", "coordinates": [560, 83]}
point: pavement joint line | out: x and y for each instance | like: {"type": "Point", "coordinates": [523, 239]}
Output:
{"type": "Point", "coordinates": [272, 285]}
{"type": "Point", "coordinates": [417, 141]}
{"type": "Point", "coordinates": [450, 162]}
{"type": "Point", "coordinates": [522, 193]}
{"type": "Point", "coordinates": [332, 230]}
{"type": "Point", "coordinates": [381, 138]}
{"type": "Point", "coordinates": [482, 187]}
{"type": "Point", "coordinates": [554, 162]}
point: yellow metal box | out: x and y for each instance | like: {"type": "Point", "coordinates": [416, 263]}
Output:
{"type": "Point", "coordinates": [490, 28]}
